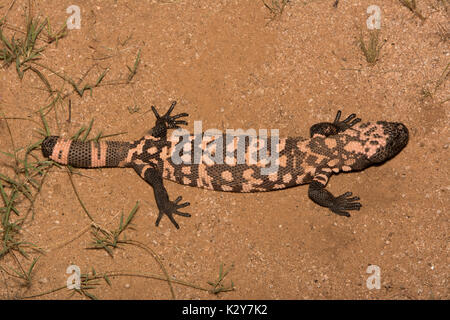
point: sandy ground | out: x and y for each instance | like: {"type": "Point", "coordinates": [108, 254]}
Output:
{"type": "Point", "coordinates": [230, 65]}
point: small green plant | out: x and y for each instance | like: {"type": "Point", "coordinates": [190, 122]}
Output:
{"type": "Point", "coordinates": [133, 109]}
{"type": "Point", "coordinates": [412, 6]}
{"type": "Point", "coordinates": [428, 92]}
{"type": "Point", "coordinates": [24, 182]}
{"type": "Point", "coordinates": [135, 66]}
{"type": "Point", "coordinates": [76, 86]}
{"type": "Point", "coordinates": [372, 49]}
{"type": "Point", "coordinates": [21, 274]}
{"type": "Point", "coordinates": [109, 240]}
{"type": "Point", "coordinates": [275, 7]}
{"type": "Point", "coordinates": [218, 286]}
{"type": "Point", "coordinates": [24, 50]}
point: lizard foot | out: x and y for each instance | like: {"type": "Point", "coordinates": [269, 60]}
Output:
{"type": "Point", "coordinates": [171, 208]}
{"type": "Point", "coordinates": [343, 203]}
{"type": "Point", "coordinates": [171, 121]}
{"type": "Point", "coordinates": [347, 123]}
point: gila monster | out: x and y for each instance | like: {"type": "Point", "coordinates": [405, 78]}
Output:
{"type": "Point", "coordinates": [340, 146]}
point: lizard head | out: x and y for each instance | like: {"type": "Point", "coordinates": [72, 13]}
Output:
{"type": "Point", "coordinates": [396, 137]}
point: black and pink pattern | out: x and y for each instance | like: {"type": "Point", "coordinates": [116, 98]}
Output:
{"type": "Point", "coordinates": [346, 145]}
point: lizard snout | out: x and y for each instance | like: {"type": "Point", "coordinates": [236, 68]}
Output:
{"type": "Point", "coordinates": [399, 136]}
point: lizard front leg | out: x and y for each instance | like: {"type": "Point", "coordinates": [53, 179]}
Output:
{"type": "Point", "coordinates": [166, 207]}
{"type": "Point", "coordinates": [330, 128]}
{"type": "Point", "coordinates": [317, 192]}
{"type": "Point", "coordinates": [340, 204]}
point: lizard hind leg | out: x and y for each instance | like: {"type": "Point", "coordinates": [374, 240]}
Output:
{"type": "Point", "coordinates": [165, 206]}
{"type": "Point", "coordinates": [165, 122]}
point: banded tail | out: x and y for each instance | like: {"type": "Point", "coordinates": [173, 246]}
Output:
{"type": "Point", "coordinates": [85, 154]}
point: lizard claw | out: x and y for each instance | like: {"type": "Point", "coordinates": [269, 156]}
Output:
{"type": "Point", "coordinates": [343, 203]}
{"type": "Point", "coordinates": [347, 123]}
{"type": "Point", "coordinates": [165, 122]}
{"type": "Point", "coordinates": [170, 209]}
{"type": "Point", "coordinates": [171, 121]}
